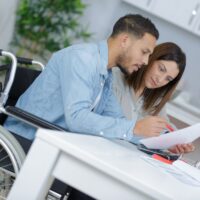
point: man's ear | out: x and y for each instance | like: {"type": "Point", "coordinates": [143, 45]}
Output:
{"type": "Point", "coordinates": [124, 40]}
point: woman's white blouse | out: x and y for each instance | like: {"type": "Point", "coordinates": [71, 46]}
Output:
{"type": "Point", "coordinates": [131, 106]}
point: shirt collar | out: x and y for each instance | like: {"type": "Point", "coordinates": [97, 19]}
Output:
{"type": "Point", "coordinates": [103, 51]}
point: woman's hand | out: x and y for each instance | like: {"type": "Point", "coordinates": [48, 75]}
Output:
{"type": "Point", "coordinates": [182, 148]}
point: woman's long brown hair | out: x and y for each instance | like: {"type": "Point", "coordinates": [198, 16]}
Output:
{"type": "Point", "coordinates": [155, 99]}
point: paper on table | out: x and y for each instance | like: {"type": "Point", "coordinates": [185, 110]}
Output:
{"type": "Point", "coordinates": [165, 141]}
{"type": "Point", "coordinates": [179, 170]}
{"type": "Point", "coordinates": [190, 170]}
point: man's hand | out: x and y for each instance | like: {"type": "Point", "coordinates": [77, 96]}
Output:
{"type": "Point", "coordinates": [150, 126]}
{"type": "Point", "coordinates": [182, 148]}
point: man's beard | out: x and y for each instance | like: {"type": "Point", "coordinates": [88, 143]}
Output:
{"type": "Point", "coordinates": [121, 64]}
{"type": "Point", "coordinates": [123, 70]}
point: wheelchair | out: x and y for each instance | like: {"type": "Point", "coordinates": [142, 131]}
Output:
{"type": "Point", "coordinates": [16, 81]}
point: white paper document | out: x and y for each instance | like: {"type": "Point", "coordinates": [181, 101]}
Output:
{"type": "Point", "coordinates": [179, 170]}
{"type": "Point", "coordinates": [190, 170]}
{"type": "Point", "coordinates": [165, 141]}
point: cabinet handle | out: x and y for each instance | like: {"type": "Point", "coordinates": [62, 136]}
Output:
{"type": "Point", "coordinates": [148, 3]}
{"type": "Point", "coordinates": [193, 14]}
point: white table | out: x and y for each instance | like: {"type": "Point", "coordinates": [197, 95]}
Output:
{"type": "Point", "coordinates": [101, 168]}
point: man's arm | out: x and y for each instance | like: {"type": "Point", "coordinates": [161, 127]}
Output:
{"type": "Point", "coordinates": [79, 69]}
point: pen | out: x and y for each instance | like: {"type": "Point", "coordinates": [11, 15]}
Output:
{"type": "Point", "coordinates": [169, 128]}
{"type": "Point", "coordinates": [162, 159]}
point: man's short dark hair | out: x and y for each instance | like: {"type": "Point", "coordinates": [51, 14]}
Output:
{"type": "Point", "coordinates": [136, 25]}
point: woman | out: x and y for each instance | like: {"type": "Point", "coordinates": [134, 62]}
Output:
{"type": "Point", "coordinates": [146, 91]}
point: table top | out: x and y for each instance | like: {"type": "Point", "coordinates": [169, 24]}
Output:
{"type": "Point", "coordinates": [121, 160]}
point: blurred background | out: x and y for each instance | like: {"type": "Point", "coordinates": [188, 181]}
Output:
{"type": "Point", "coordinates": [37, 28]}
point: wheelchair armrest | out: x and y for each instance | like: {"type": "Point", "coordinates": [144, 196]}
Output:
{"type": "Point", "coordinates": [31, 119]}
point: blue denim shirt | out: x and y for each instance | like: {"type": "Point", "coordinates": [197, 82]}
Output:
{"type": "Point", "coordinates": [65, 91]}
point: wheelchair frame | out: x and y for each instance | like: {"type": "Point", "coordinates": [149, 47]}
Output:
{"type": "Point", "coordinates": [7, 140]}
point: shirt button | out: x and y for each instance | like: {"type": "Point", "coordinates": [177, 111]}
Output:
{"type": "Point", "coordinates": [101, 83]}
{"type": "Point", "coordinates": [124, 135]}
{"type": "Point", "coordinates": [101, 133]}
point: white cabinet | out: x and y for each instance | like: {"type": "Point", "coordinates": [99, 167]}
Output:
{"type": "Point", "coordinates": [161, 9]}
{"type": "Point", "coordinates": [183, 13]}
{"type": "Point", "coordinates": [142, 4]}
{"type": "Point", "coordinates": [179, 12]}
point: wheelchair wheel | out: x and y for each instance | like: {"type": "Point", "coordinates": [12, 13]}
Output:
{"type": "Point", "coordinates": [11, 160]}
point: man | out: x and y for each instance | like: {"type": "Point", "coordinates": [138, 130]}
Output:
{"type": "Point", "coordinates": [75, 89]}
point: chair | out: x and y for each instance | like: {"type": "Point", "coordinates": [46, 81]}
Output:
{"type": "Point", "coordinates": [11, 152]}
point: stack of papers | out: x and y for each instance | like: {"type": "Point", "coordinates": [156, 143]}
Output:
{"type": "Point", "coordinates": [165, 141]}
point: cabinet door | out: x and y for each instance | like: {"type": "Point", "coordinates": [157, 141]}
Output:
{"type": "Point", "coordinates": [183, 13]}
{"type": "Point", "coordinates": [179, 12]}
{"type": "Point", "coordinates": [187, 13]}
{"type": "Point", "coordinates": [166, 10]}
{"type": "Point", "coordinates": [142, 4]}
